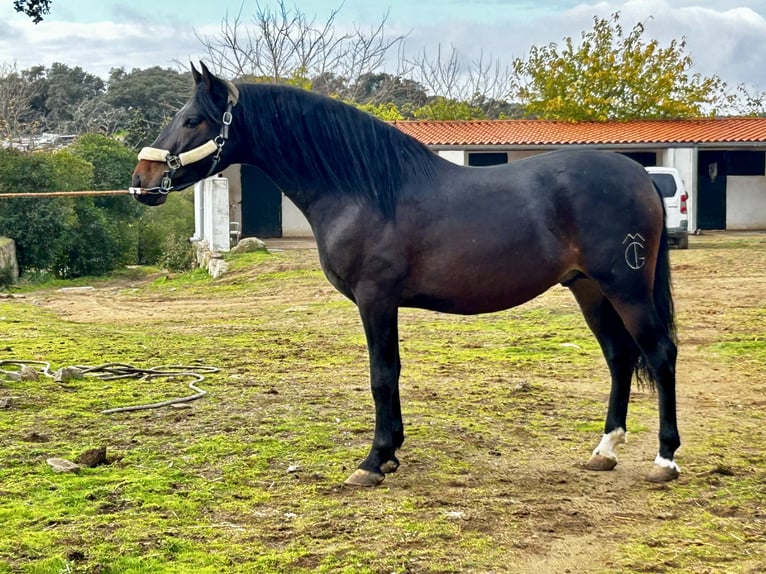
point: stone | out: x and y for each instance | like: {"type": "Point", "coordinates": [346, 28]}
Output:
{"type": "Point", "coordinates": [249, 245]}
{"type": "Point", "coordinates": [93, 457]}
{"type": "Point", "coordinates": [217, 267]}
{"type": "Point", "coordinates": [28, 373]}
{"type": "Point", "coordinates": [62, 465]}
{"type": "Point", "coordinates": [65, 374]}
{"type": "Point", "coordinates": [9, 266]}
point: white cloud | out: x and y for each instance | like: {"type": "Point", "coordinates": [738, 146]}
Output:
{"type": "Point", "coordinates": [727, 41]}
{"type": "Point", "coordinates": [96, 46]}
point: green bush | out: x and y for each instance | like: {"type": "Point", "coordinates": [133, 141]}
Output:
{"type": "Point", "coordinates": [72, 237]}
{"type": "Point", "coordinates": [175, 218]}
{"type": "Point", "coordinates": [177, 253]}
{"type": "Point", "coordinates": [42, 227]}
{"type": "Point", "coordinates": [113, 165]}
{"type": "Point", "coordinates": [6, 276]}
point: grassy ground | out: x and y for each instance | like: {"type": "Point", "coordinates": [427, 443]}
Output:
{"type": "Point", "coordinates": [501, 410]}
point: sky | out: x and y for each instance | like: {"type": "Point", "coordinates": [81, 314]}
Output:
{"type": "Point", "coordinates": [727, 39]}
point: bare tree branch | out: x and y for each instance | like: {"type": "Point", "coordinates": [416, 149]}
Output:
{"type": "Point", "coordinates": [284, 45]}
{"type": "Point", "coordinates": [15, 103]}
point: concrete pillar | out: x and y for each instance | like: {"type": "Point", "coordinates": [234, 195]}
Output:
{"type": "Point", "coordinates": [199, 212]}
{"type": "Point", "coordinates": [211, 212]}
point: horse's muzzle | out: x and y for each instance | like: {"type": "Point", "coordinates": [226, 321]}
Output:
{"type": "Point", "coordinates": [146, 178]}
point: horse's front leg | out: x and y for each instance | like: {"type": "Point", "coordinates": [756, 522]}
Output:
{"type": "Point", "coordinates": [381, 329]}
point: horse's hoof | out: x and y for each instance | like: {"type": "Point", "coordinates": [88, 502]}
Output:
{"type": "Point", "coordinates": [389, 467]}
{"type": "Point", "coordinates": [662, 473]}
{"type": "Point", "coordinates": [600, 462]}
{"type": "Point", "coordinates": [362, 477]}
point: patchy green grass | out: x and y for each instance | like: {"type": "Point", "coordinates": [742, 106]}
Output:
{"type": "Point", "coordinates": [501, 410]}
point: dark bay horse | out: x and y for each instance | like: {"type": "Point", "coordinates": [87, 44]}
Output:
{"type": "Point", "coordinates": [398, 226]}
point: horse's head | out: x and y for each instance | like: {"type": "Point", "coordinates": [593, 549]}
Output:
{"type": "Point", "coordinates": [192, 145]}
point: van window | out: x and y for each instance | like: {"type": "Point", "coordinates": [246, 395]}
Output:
{"type": "Point", "coordinates": [665, 183]}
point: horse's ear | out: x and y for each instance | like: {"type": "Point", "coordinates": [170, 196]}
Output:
{"type": "Point", "coordinates": [207, 77]}
{"type": "Point", "coordinates": [214, 86]}
{"type": "Point", "coordinates": [196, 76]}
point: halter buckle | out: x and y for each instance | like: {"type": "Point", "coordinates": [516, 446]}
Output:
{"type": "Point", "coordinates": [166, 185]}
{"type": "Point", "coordinates": [173, 161]}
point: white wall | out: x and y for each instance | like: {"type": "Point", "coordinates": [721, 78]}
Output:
{"type": "Point", "coordinates": [232, 173]}
{"type": "Point", "coordinates": [455, 156]}
{"type": "Point", "coordinates": [745, 202]}
{"type": "Point", "coordinates": [294, 223]}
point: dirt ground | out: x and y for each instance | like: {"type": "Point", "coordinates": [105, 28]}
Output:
{"type": "Point", "coordinates": [564, 518]}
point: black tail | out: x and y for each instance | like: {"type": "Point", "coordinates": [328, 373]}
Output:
{"type": "Point", "coordinates": [663, 299]}
{"type": "Point", "coordinates": [663, 289]}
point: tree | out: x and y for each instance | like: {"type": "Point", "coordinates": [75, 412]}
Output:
{"type": "Point", "coordinates": [66, 90]}
{"type": "Point", "coordinates": [41, 227]}
{"type": "Point", "coordinates": [383, 88]}
{"type": "Point", "coordinates": [16, 103]}
{"type": "Point", "coordinates": [149, 97]}
{"type": "Point", "coordinates": [478, 89]}
{"type": "Point", "coordinates": [282, 44]}
{"type": "Point", "coordinates": [35, 9]}
{"type": "Point", "coordinates": [614, 76]}
{"type": "Point", "coordinates": [446, 109]}
{"type": "Point", "coordinates": [113, 165]}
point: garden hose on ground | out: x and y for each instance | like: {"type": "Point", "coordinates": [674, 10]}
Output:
{"type": "Point", "coordinates": [31, 370]}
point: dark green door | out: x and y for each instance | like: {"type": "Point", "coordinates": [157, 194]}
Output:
{"type": "Point", "coordinates": [711, 190]}
{"type": "Point", "coordinates": [261, 204]}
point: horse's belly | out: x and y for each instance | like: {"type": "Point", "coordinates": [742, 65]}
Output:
{"type": "Point", "coordinates": [471, 296]}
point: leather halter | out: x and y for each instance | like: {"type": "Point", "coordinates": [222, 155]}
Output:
{"type": "Point", "coordinates": [211, 147]}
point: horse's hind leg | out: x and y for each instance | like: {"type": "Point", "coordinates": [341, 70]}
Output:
{"type": "Point", "coordinates": [621, 354]}
{"type": "Point", "coordinates": [659, 353]}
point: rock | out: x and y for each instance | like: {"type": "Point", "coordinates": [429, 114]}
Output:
{"type": "Point", "coordinates": [6, 403]}
{"type": "Point", "coordinates": [93, 457]}
{"type": "Point", "coordinates": [65, 374]}
{"type": "Point", "coordinates": [9, 267]}
{"type": "Point", "coordinates": [248, 245]}
{"type": "Point", "coordinates": [28, 373]}
{"type": "Point", "coordinates": [217, 267]}
{"type": "Point", "coordinates": [62, 465]}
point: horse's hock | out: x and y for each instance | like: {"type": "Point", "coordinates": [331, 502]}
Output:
{"type": "Point", "coordinates": [9, 266]}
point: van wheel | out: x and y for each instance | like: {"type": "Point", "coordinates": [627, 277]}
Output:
{"type": "Point", "coordinates": [683, 242]}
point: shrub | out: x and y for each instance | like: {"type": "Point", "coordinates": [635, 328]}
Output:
{"type": "Point", "coordinates": [177, 253]}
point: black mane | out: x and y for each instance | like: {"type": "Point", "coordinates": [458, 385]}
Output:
{"type": "Point", "coordinates": [305, 137]}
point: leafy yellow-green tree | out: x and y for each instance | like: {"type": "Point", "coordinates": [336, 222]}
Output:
{"type": "Point", "coordinates": [441, 108]}
{"type": "Point", "coordinates": [387, 112]}
{"type": "Point", "coordinates": [611, 75]}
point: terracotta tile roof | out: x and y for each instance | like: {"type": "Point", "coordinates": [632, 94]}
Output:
{"type": "Point", "coordinates": [545, 132]}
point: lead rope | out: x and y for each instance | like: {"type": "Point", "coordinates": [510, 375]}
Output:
{"type": "Point", "coordinates": [114, 371]}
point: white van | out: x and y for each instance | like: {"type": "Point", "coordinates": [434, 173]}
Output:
{"type": "Point", "coordinates": [671, 186]}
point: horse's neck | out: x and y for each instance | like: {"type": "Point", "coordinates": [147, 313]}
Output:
{"type": "Point", "coordinates": [342, 159]}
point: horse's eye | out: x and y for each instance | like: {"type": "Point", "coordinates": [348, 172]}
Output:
{"type": "Point", "coordinates": [192, 122]}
